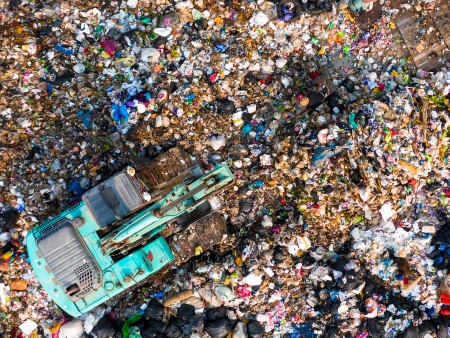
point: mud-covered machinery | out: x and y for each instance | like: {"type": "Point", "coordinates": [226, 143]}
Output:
{"type": "Point", "coordinates": [136, 223]}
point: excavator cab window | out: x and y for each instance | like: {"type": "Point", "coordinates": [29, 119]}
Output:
{"type": "Point", "coordinates": [73, 289]}
{"type": "Point", "coordinates": [111, 200]}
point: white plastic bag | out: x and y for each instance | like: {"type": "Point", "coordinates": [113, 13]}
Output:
{"type": "Point", "coordinates": [150, 55]}
{"type": "Point", "coordinates": [28, 326]}
{"type": "Point", "coordinates": [240, 331]}
{"type": "Point", "coordinates": [224, 293]}
{"type": "Point", "coordinates": [217, 142]}
{"type": "Point", "coordinates": [254, 278]}
{"type": "Point", "coordinates": [259, 19]}
{"type": "Point", "coordinates": [72, 329]}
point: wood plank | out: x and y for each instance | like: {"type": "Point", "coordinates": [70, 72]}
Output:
{"type": "Point", "coordinates": [425, 49]}
{"type": "Point", "coordinates": [441, 17]}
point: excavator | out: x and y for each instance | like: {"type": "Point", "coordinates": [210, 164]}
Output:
{"type": "Point", "coordinates": [130, 228]}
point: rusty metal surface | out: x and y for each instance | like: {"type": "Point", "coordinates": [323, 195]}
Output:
{"type": "Point", "coordinates": [425, 36]}
{"type": "Point", "coordinates": [441, 17]}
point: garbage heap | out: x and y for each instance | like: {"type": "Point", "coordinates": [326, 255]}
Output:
{"type": "Point", "coordinates": [155, 320]}
{"type": "Point", "coordinates": [338, 217]}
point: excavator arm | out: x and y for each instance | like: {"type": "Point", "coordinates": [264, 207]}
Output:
{"type": "Point", "coordinates": [184, 198]}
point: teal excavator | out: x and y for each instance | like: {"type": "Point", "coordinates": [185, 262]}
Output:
{"type": "Point", "coordinates": [128, 229]}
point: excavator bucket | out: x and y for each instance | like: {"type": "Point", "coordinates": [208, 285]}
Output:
{"type": "Point", "coordinates": [199, 236]}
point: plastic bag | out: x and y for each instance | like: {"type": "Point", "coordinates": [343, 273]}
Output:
{"type": "Point", "coordinates": [240, 330]}
{"type": "Point", "coordinates": [279, 254]}
{"type": "Point", "coordinates": [259, 19]}
{"type": "Point", "coordinates": [442, 235]}
{"type": "Point", "coordinates": [225, 107]}
{"type": "Point", "coordinates": [289, 10]}
{"type": "Point", "coordinates": [158, 326]}
{"type": "Point", "coordinates": [302, 331]}
{"type": "Point", "coordinates": [442, 332]}
{"type": "Point", "coordinates": [173, 331]}
{"type": "Point", "coordinates": [107, 328]}
{"type": "Point", "coordinates": [217, 142]}
{"type": "Point", "coordinates": [8, 219]}
{"type": "Point", "coordinates": [79, 68]}
{"type": "Point", "coordinates": [134, 332]}
{"type": "Point", "coordinates": [332, 333]}
{"type": "Point", "coordinates": [315, 100]}
{"type": "Point", "coordinates": [352, 281]}
{"type": "Point", "coordinates": [426, 328]}
{"type": "Point", "coordinates": [126, 326]}
{"type": "Point", "coordinates": [216, 313]}
{"type": "Point", "coordinates": [178, 322]}
{"type": "Point", "coordinates": [376, 329]}
{"type": "Point", "coordinates": [92, 319]}
{"type": "Point", "coordinates": [224, 293]}
{"type": "Point", "coordinates": [150, 55]}
{"type": "Point", "coordinates": [335, 101]}
{"type": "Point", "coordinates": [412, 332]}
{"type": "Point", "coordinates": [219, 328]}
{"type": "Point", "coordinates": [72, 329]}
{"type": "Point", "coordinates": [254, 278]}
{"type": "Point", "coordinates": [149, 332]}
{"type": "Point", "coordinates": [109, 46]}
{"type": "Point", "coordinates": [154, 310]}
{"type": "Point", "coordinates": [86, 118]}
{"type": "Point", "coordinates": [28, 326]}
{"type": "Point", "coordinates": [255, 329]}
{"type": "Point", "coordinates": [185, 312]}
{"type": "Point", "coordinates": [197, 323]}
{"type": "Point", "coordinates": [323, 154]}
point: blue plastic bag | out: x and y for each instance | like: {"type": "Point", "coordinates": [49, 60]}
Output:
{"type": "Point", "coordinates": [86, 117]}
{"type": "Point", "coordinates": [302, 331]}
{"type": "Point", "coordinates": [65, 50]}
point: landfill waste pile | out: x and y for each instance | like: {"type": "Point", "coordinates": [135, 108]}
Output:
{"type": "Point", "coordinates": [338, 219]}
